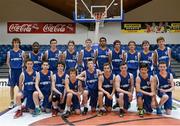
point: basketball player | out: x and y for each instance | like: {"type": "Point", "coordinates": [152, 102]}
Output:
{"type": "Point", "coordinates": [124, 84]}
{"type": "Point", "coordinates": [102, 54]}
{"type": "Point", "coordinates": [53, 55]}
{"type": "Point", "coordinates": [15, 59]}
{"type": "Point", "coordinates": [117, 57]}
{"type": "Point", "coordinates": [36, 56]}
{"type": "Point", "coordinates": [58, 95]}
{"type": "Point", "coordinates": [106, 88]}
{"type": "Point", "coordinates": [70, 56]}
{"type": "Point", "coordinates": [27, 87]}
{"type": "Point", "coordinates": [145, 88]}
{"type": "Point", "coordinates": [131, 57]}
{"type": "Point", "coordinates": [146, 56]}
{"type": "Point", "coordinates": [163, 53]}
{"type": "Point", "coordinates": [90, 76]}
{"type": "Point", "coordinates": [43, 85]}
{"type": "Point", "coordinates": [73, 88]}
{"type": "Point", "coordinates": [165, 87]}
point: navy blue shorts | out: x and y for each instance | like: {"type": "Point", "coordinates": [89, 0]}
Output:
{"type": "Point", "coordinates": [75, 101]}
{"type": "Point", "coordinates": [168, 103]}
{"type": "Point", "coordinates": [29, 96]}
{"type": "Point", "coordinates": [14, 75]}
{"type": "Point", "coordinates": [126, 100]}
{"type": "Point", "coordinates": [93, 95]}
{"type": "Point", "coordinates": [147, 101]}
{"type": "Point", "coordinates": [46, 103]}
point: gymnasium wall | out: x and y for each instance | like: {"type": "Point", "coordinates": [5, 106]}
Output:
{"type": "Point", "coordinates": [25, 10]}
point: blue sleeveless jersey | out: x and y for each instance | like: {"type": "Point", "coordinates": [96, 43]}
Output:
{"type": "Point", "coordinates": [71, 60]}
{"type": "Point", "coordinates": [87, 55]}
{"type": "Point", "coordinates": [163, 83]}
{"type": "Point", "coordinates": [92, 80]}
{"type": "Point", "coordinates": [60, 82]}
{"type": "Point", "coordinates": [37, 59]}
{"type": "Point", "coordinates": [45, 82]}
{"type": "Point", "coordinates": [29, 81]}
{"type": "Point", "coordinates": [53, 58]}
{"type": "Point", "coordinates": [125, 82]}
{"type": "Point", "coordinates": [117, 59]}
{"type": "Point", "coordinates": [145, 84]}
{"type": "Point", "coordinates": [162, 55]}
{"type": "Point", "coordinates": [16, 59]}
{"type": "Point", "coordinates": [147, 58]}
{"type": "Point", "coordinates": [73, 86]}
{"type": "Point", "coordinates": [108, 83]}
{"type": "Point", "coordinates": [102, 57]}
{"type": "Point", "coordinates": [132, 60]}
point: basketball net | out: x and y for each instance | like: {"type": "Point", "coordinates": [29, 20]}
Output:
{"type": "Point", "coordinates": [99, 16]}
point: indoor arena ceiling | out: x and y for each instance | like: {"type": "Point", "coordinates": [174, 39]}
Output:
{"type": "Point", "coordinates": [66, 7]}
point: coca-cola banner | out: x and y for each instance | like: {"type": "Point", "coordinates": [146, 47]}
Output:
{"type": "Point", "coordinates": [41, 27]}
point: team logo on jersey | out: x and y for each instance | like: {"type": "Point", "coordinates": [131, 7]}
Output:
{"type": "Point", "coordinates": [56, 55]}
{"type": "Point", "coordinates": [20, 55]}
{"type": "Point", "coordinates": [166, 52]}
{"type": "Point", "coordinates": [136, 58]}
{"type": "Point", "coordinates": [95, 76]}
{"type": "Point", "coordinates": [148, 83]}
{"type": "Point", "coordinates": [49, 77]}
{"type": "Point", "coordinates": [74, 56]}
{"type": "Point", "coordinates": [33, 78]}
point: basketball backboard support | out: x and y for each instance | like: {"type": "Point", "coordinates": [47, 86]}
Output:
{"type": "Point", "coordinates": [98, 10]}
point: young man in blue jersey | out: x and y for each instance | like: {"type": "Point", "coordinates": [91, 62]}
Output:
{"type": "Point", "coordinates": [165, 86]}
{"type": "Point", "coordinates": [74, 89]}
{"type": "Point", "coordinates": [87, 53]}
{"type": "Point", "coordinates": [145, 88]}
{"type": "Point", "coordinates": [124, 84]}
{"type": "Point", "coordinates": [53, 55]}
{"type": "Point", "coordinates": [102, 54]}
{"type": "Point", "coordinates": [146, 56]}
{"type": "Point", "coordinates": [131, 58]}
{"type": "Point", "coordinates": [70, 56]}
{"type": "Point", "coordinates": [90, 77]}
{"type": "Point", "coordinates": [27, 87]}
{"type": "Point", "coordinates": [15, 59]}
{"type": "Point", "coordinates": [36, 56]}
{"type": "Point", "coordinates": [58, 91]}
{"type": "Point", "coordinates": [163, 53]}
{"type": "Point", "coordinates": [43, 86]}
{"type": "Point", "coordinates": [117, 57]}
{"type": "Point", "coordinates": [106, 88]}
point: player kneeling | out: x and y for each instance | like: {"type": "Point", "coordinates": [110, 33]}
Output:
{"type": "Point", "coordinates": [73, 88]}
{"type": "Point", "coordinates": [106, 88]}
{"type": "Point", "coordinates": [27, 82]}
{"type": "Point", "coordinates": [145, 88]}
{"type": "Point", "coordinates": [124, 84]}
{"type": "Point", "coordinates": [58, 94]}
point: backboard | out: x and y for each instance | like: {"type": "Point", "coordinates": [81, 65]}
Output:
{"type": "Point", "coordinates": [98, 10]}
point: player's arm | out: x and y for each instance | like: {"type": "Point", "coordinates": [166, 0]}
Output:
{"type": "Point", "coordinates": [155, 58]}
{"type": "Point", "coordinates": [172, 84]}
{"type": "Point", "coordinates": [21, 81]}
{"type": "Point", "coordinates": [131, 83]}
{"type": "Point", "coordinates": [117, 85]}
{"type": "Point", "coordinates": [45, 56]}
{"type": "Point", "coordinates": [153, 85]}
{"type": "Point", "coordinates": [109, 56]}
{"type": "Point", "coordinates": [8, 59]}
{"type": "Point", "coordinates": [37, 86]}
{"type": "Point", "coordinates": [53, 82]}
{"type": "Point", "coordinates": [114, 88]}
{"type": "Point", "coordinates": [169, 55]}
{"type": "Point", "coordinates": [67, 87]}
{"type": "Point", "coordinates": [95, 56]}
{"type": "Point", "coordinates": [100, 83]}
{"type": "Point", "coordinates": [81, 76]}
{"type": "Point", "coordinates": [138, 87]}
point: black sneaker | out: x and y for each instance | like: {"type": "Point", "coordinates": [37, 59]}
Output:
{"type": "Point", "coordinates": [67, 114]}
{"type": "Point", "coordinates": [101, 112]}
{"type": "Point", "coordinates": [85, 111]}
{"type": "Point", "coordinates": [121, 112]}
{"type": "Point", "coordinates": [141, 112]}
{"type": "Point", "coordinates": [115, 106]}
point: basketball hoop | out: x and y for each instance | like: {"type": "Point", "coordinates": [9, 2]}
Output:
{"type": "Point", "coordinates": [99, 16]}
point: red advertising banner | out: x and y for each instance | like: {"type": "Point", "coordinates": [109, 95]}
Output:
{"type": "Point", "coordinates": [41, 27]}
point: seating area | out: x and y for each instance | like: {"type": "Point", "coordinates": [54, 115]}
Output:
{"type": "Point", "coordinates": [4, 48]}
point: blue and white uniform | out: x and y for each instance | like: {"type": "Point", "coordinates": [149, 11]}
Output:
{"type": "Point", "coordinates": [37, 59]}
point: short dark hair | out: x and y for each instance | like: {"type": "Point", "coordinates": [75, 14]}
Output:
{"type": "Point", "coordinates": [35, 43]}
{"type": "Point", "coordinates": [72, 70]}
{"type": "Point", "coordinates": [62, 63]}
{"type": "Point", "coordinates": [53, 40]}
{"type": "Point", "coordinates": [123, 63]}
{"type": "Point", "coordinates": [71, 41]}
{"type": "Point", "coordinates": [90, 59]}
{"type": "Point", "coordinates": [143, 65]}
{"type": "Point", "coordinates": [145, 42]}
{"type": "Point", "coordinates": [131, 42]}
{"type": "Point", "coordinates": [115, 42]}
{"type": "Point", "coordinates": [160, 38]}
{"type": "Point", "coordinates": [102, 38]}
{"type": "Point", "coordinates": [16, 40]}
{"type": "Point", "coordinates": [106, 64]}
{"type": "Point", "coordinates": [162, 62]}
{"type": "Point", "coordinates": [88, 40]}
{"type": "Point", "coordinates": [28, 60]}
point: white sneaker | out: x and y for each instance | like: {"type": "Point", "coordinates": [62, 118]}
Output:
{"type": "Point", "coordinates": [11, 105]}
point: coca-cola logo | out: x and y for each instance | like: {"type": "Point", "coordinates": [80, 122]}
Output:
{"type": "Point", "coordinates": [28, 27]}
{"type": "Point", "coordinates": [23, 27]}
